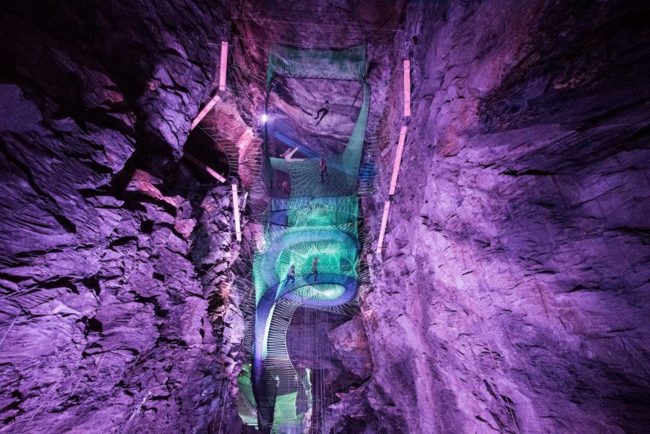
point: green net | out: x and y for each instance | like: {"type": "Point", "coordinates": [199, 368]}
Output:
{"type": "Point", "coordinates": [311, 247]}
{"type": "Point", "coordinates": [343, 169]}
{"type": "Point", "coordinates": [298, 230]}
{"type": "Point", "coordinates": [345, 64]}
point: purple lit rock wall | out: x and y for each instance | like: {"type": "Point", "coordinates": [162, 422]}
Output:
{"type": "Point", "coordinates": [105, 294]}
{"type": "Point", "coordinates": [512, 295]}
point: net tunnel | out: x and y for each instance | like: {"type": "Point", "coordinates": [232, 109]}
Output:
{"type": "Point", "coordinates": [310, 256]}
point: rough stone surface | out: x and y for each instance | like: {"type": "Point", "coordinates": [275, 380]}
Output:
{"type": "Point", "coordinates": [105, 317]}
{"type": "Point", "coordinates": [350, 345]}
{"type": "Point", "coordinates": [512, 293]}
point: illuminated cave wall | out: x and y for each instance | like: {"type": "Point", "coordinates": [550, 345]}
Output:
{"type": "Point", "coordinates": [512, 294]}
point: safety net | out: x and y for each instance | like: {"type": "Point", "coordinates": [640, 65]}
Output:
{"type": "Point", "coordinates": [311, 247]}
{"type": "Point", "coordinates": [343, 168]}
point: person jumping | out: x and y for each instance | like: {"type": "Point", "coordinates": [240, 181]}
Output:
{"type": "Point", "coordinates": [320, 114]}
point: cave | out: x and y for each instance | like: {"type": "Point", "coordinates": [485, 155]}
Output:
{"type": "Point", "coordinates": [335, 216]}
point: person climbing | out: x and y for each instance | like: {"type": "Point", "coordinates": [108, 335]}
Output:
{"type": "Point", "coordinates": [291, 275]}
{"type": "Point", "coordinates": [320, 114]}
{"type": "Point", "coordinates": [314, 269]}
{"type": "Point", "coordinates": [323, 169]}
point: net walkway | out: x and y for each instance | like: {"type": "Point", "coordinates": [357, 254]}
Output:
{"type": "Point", "coordinates": [311, 247]}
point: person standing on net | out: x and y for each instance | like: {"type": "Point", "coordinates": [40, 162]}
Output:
{"type": "Point", "coordinates": [314, 269]}
{"type": "Point", "coordinates": [323, 169]}
{"type": "Point", "coordinates": [320, 114]}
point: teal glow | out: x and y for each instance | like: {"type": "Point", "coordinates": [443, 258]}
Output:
{"type": "Point", "coordinates": [318, 219]}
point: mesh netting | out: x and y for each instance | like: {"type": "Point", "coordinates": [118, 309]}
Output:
{"type": "Point", "coordinates": [343, 168]}
{"type": "Point", "coordinates": [312, 227]}
{"type": "Point", "coordinates": [345, 64]}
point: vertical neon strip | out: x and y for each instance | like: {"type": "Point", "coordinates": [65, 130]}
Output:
{"type": "Point", "coordinates": [407, 88]}
{"type": "Point", "coordinates": [224, 65]}
{"type": "Point", "coordinates": [398, 160]}
{"type": "Point", "coordinates": [384, 221]}
{"type": "Point", "coordinates": [235, 207]}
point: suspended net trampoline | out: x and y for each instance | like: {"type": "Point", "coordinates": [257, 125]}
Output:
{"type": "Point", "coordinates": [311, 160]}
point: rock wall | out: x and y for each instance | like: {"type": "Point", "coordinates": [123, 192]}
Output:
{"type": "Point", "coordinates": [512, 293]}
{"type": "Point", "coordinates": [106, 302]}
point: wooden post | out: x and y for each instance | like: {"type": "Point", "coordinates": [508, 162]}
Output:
{"type": "Point", "coordinates": [407, 88]}
{"type": "Point", "coordinates": [224, 65]}
{"type": "Point", "coordinates": [222, 86]}
{"type": "Point", "coordinates": [205, 167]}
{"type": "Point", "coordinates": [398, 160]}
{"type": "Point", "coordinates": [398, 154]}
{"type": "Point", "coordinates": [235, 208]}
{"type": "Point", "coordinates": [384, 222]}
{"type": "Point", "coordinates": [215, 99]}
{"type": "Point", "coordinates": [289, 156]}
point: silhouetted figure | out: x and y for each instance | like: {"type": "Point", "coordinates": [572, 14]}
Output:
{"type": "Point", "coordinates": [284, 186]}
{"type": "Point", "coordinates": [323, 169]}
{"type": "Point", "coordinates": [291, 275]}
{"type": "Point", "coordinates": [320, 114]}
{"type": "Point", "coordinates": [314, 269]}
